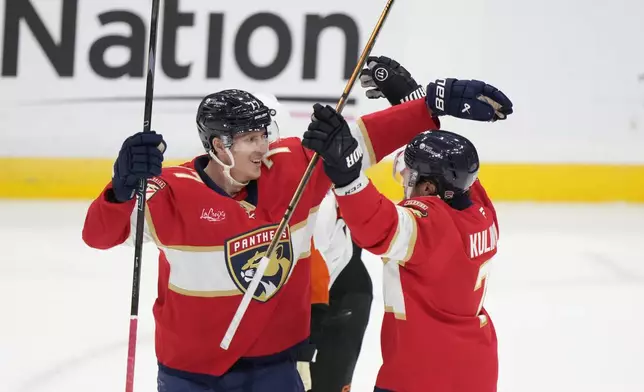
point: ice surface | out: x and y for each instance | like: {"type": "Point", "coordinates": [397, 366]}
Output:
{"type": "Point", "coordinates": [566, 295]}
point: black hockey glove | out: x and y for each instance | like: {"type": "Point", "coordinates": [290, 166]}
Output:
{"type": "Point", "coordinates": [141, 156]}
{"type": "Point", "coordinates": [388, 79]}
{"type": "Point", "coordinates": [468, 99]}
{"type": "Point", "coordinates": [328, 134]}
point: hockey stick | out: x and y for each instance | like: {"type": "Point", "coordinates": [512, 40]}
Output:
{"type": "Point", "coordinates": [140, 196]}
{"type": "Point", "coordinates": [261, 268]}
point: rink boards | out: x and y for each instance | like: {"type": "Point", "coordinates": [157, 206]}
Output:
{"type": "Point", "coordinates": [78, 178]}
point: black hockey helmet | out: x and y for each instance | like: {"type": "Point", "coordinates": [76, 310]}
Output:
{"type": "Point", "coordinates": [448, 160]}
{"type": "Point", "coordinates": [229, 112]}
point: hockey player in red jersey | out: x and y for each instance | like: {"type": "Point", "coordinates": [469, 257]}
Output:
{"type": "Point", "coordinates": [436, 246]}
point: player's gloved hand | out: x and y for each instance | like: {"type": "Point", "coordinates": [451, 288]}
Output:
{"type": "Point", "coordinates": [328, 134]}
{"type": "Point", "coordinates": [140, 157]}
{"type": "Point", "coordinates": [468, 99]}
{"type": "Point", "coordinates": [388, 79]}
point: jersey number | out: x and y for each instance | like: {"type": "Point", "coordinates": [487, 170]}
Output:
{"type": "Point", "coordinates": [481, 283]}
{"type": "Point", "coordinates": [395, 298]}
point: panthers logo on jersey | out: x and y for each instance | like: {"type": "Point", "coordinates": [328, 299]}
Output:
{"type": "Point", "coordinates": [244, 252]}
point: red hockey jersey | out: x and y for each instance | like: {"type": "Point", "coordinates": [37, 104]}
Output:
{"type": "Point", "coordinates": [210, 245]}
{"type": "Point", "coordinates": [436, 335]}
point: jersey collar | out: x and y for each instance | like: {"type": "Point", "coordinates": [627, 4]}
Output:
{"type": "Point", "coordinates": [249, 193]}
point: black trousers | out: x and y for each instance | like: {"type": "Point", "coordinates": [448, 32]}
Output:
{"type": "Point", "coordinates": [344, 327]}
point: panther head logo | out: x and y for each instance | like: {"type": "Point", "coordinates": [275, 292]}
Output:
{"type": "Point", "coordinates": [244, 252]}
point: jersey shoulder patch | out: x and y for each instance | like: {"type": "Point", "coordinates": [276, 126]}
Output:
{"type": "Point", "coordinates": [417, 207]}
{"type": "Point", "coordinates": [155, 184]}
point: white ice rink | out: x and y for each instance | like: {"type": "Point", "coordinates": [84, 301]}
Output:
{"type": "Point", "coordinates": [566, 295]}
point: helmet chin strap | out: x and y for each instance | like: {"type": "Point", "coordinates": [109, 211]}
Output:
{"type": "Point", "coordinates": [227, 167]}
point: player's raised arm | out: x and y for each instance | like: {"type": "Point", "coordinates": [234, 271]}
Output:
{"type": "Point", "coordinates": [108, 220]}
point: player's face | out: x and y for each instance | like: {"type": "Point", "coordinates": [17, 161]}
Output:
{"type": "Point", "coordinates": [248, 149]}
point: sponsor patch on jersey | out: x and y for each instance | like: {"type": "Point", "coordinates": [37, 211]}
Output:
{"type": "Point", "coordinates": [418, 208]}
{"type": "Point", "coordinates": [155, 184]}
{"type": "Point", "coordinates": [244, 252]}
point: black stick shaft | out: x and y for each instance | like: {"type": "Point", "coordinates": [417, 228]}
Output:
{"type": "Point", "coordinates": [140, 196]}
{"type": "Point", "coordinates": [140, 192]}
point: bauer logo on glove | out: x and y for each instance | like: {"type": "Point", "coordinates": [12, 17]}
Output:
{"type": "Point", "coordinates": [468, 99]}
